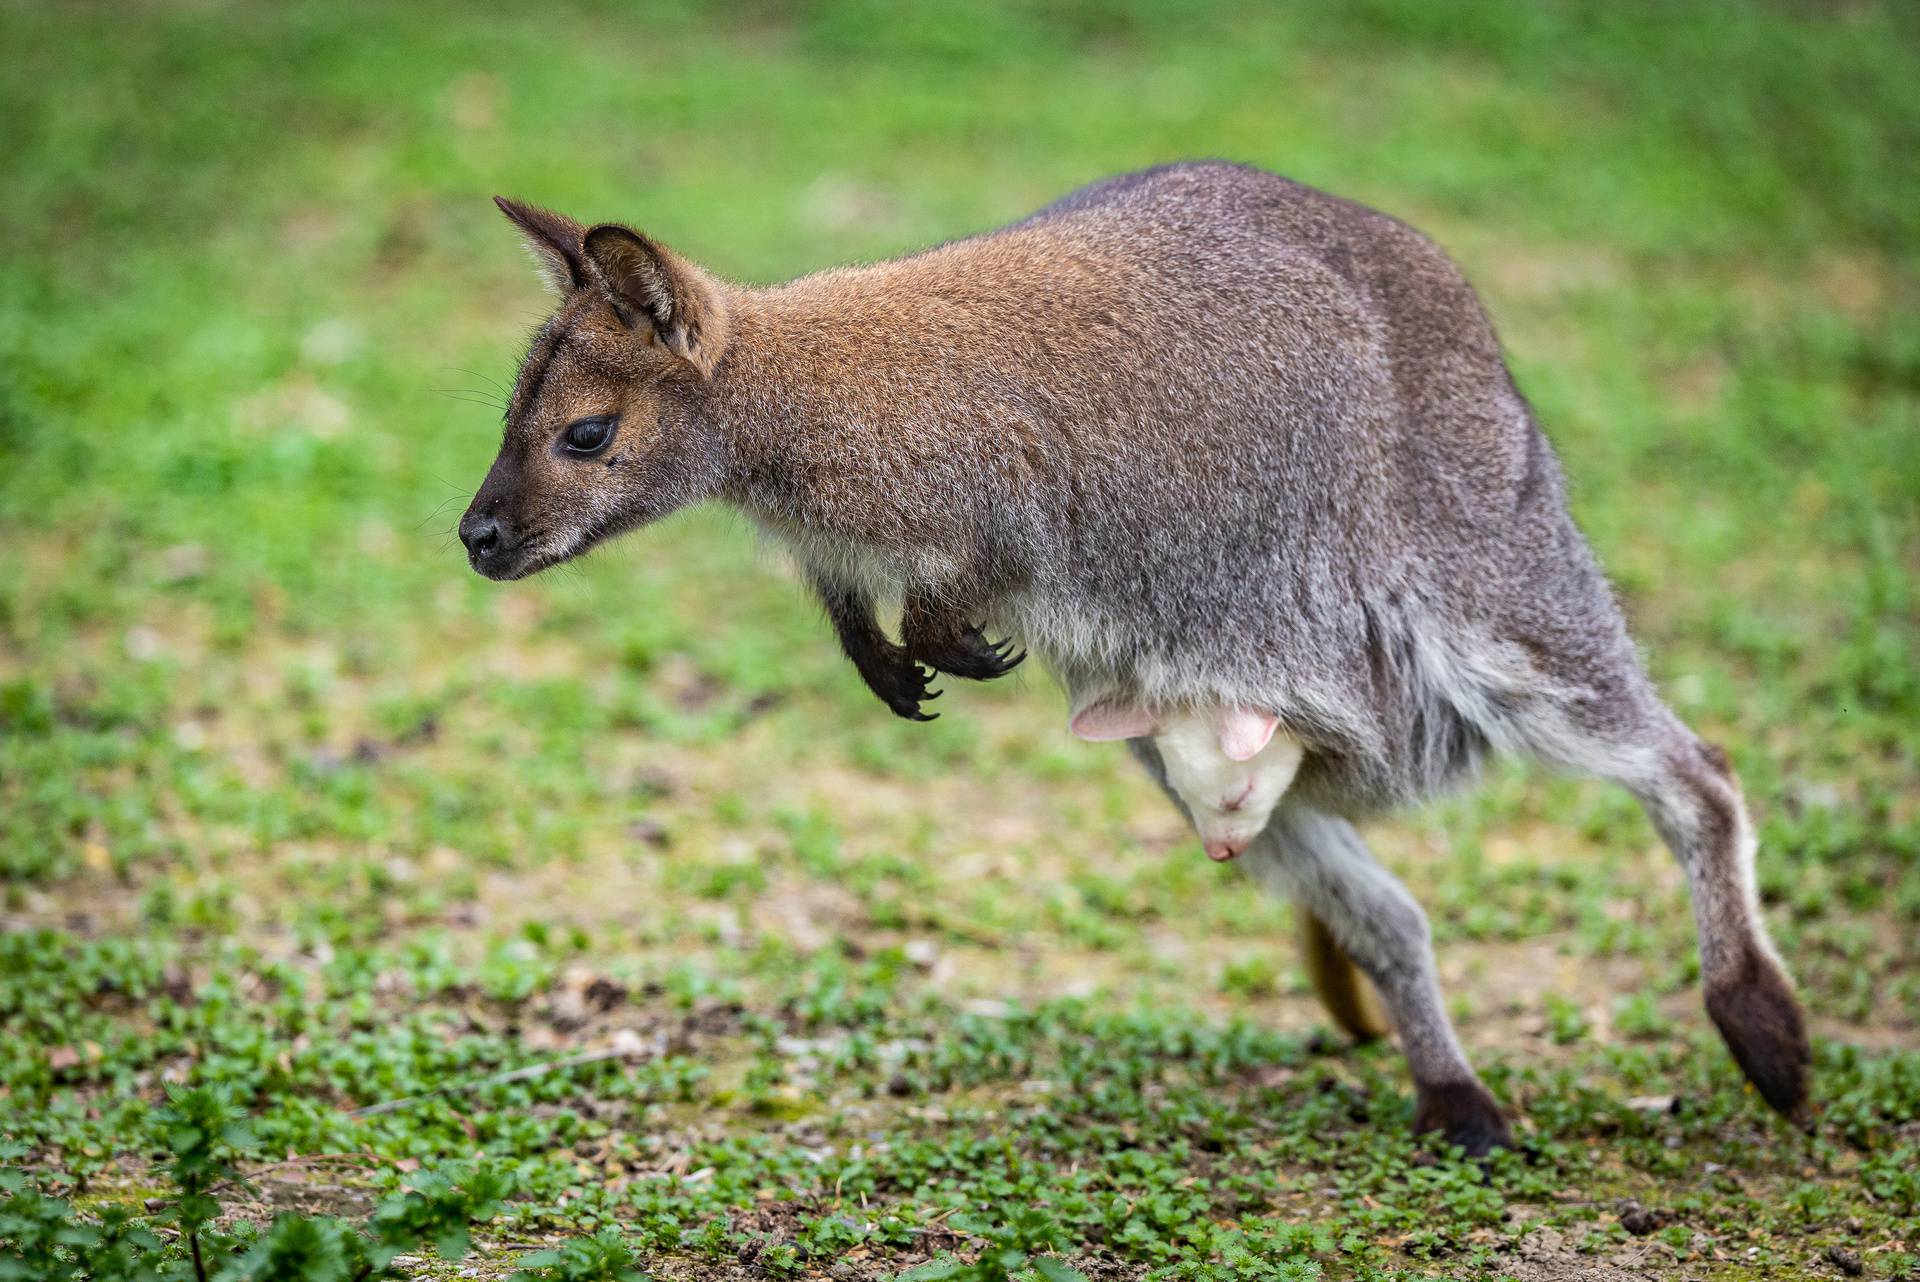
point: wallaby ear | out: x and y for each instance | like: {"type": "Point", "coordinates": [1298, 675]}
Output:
{"type": "Point", "coordinates": [651, 284]}
{"type": "Point", "coordinates": [1100, 722]}
{"type": "Point", "coordinates": [1244, 732]}
{"type": "Point", "coordinates": [554, 241]}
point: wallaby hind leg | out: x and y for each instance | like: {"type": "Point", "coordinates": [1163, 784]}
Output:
{"type": "Point", "coordinates": [1691, 795]}
{"type": "Point", "coordinates": [1624, 733]}
{"type": "Point", "coordinates": [1346, 993]}
{"type": "Point", "coordinates": [1320, 862]}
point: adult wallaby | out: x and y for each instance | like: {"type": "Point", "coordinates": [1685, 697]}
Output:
{"type": "Point", "coordinates": [1198, 437]}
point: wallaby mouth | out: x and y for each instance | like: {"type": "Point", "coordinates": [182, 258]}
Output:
{"type": "Point", "coordinates": [498, 568]}
{"type": "Point", "coordinates": [509, 558]}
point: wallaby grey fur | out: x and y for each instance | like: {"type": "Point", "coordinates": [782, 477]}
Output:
{"type": "Point", "coordinates": [1198, 436]}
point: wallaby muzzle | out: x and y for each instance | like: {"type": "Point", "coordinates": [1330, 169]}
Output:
{"type": "Point", "coordinates": [495, 542]}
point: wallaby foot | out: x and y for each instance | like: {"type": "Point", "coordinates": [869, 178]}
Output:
{"type": "Point", "coordinates": [1346, 993]}
{"type": "Point", "coordinates": [1753, 1007]}
{"type": "Point", "coordinates": [1465, 1114]}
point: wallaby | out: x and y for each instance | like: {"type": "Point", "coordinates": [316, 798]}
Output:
{"type": "Point", "coordinates": [1199, 437]}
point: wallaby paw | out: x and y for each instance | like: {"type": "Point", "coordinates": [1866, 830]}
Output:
{"type": "Point", "coordinates": [902, 686]}
{"type": "Point", "coordinates": [1465, 1114]}
{"type": "Point", "coordinates": [969, 654]}
{"type": "Point", "coordinates": [1754, 1008]}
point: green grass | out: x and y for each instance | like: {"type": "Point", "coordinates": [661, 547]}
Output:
{"type": "Point", "coordinates": [294, 806]}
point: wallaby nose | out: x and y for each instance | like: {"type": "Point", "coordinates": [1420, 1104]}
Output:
{"type": "Point", "coordinates": [481, 534]}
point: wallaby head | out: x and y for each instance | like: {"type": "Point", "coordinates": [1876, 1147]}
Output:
{"type": "Point", "coordinates": [601, 431]}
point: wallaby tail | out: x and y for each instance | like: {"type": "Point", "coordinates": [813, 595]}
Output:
{"type": "Point", "coordinates": [1347, 994]}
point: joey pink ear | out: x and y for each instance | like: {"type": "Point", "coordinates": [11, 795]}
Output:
{"type": "Point", "coordinates": [1244, 732]}
{"type": "Point", "coordinates": [1100, 722]}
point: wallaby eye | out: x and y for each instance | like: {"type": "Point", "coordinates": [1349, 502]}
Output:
{"type": "Point", "coordinates": [589, 435]}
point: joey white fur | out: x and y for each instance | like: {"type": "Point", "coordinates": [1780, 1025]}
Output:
{"type": "Point", "coordinates": [1228, 766]}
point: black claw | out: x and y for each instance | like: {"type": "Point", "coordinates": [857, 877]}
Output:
{"type": "Point", "coordinates": [900, 682]}
{"type": "Point", "coordinates": [908, 706]}
{"type": "Point", "coordinates": [905, 689]}
{"type": "Point", "coordinates": [975, 658]}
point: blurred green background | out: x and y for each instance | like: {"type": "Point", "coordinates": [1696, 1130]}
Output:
{"type": "Point", "coordinates": [292, 802]}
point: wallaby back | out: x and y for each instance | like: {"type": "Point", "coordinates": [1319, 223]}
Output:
{"type": "Point", "coordinates": [1200, 435]}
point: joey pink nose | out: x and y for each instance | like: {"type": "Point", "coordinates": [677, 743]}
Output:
{"type": "Point", "coordinates": [1221, 851]}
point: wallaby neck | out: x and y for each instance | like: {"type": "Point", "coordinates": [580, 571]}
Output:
{"type": "Point", "coordinates": [795, 385]}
